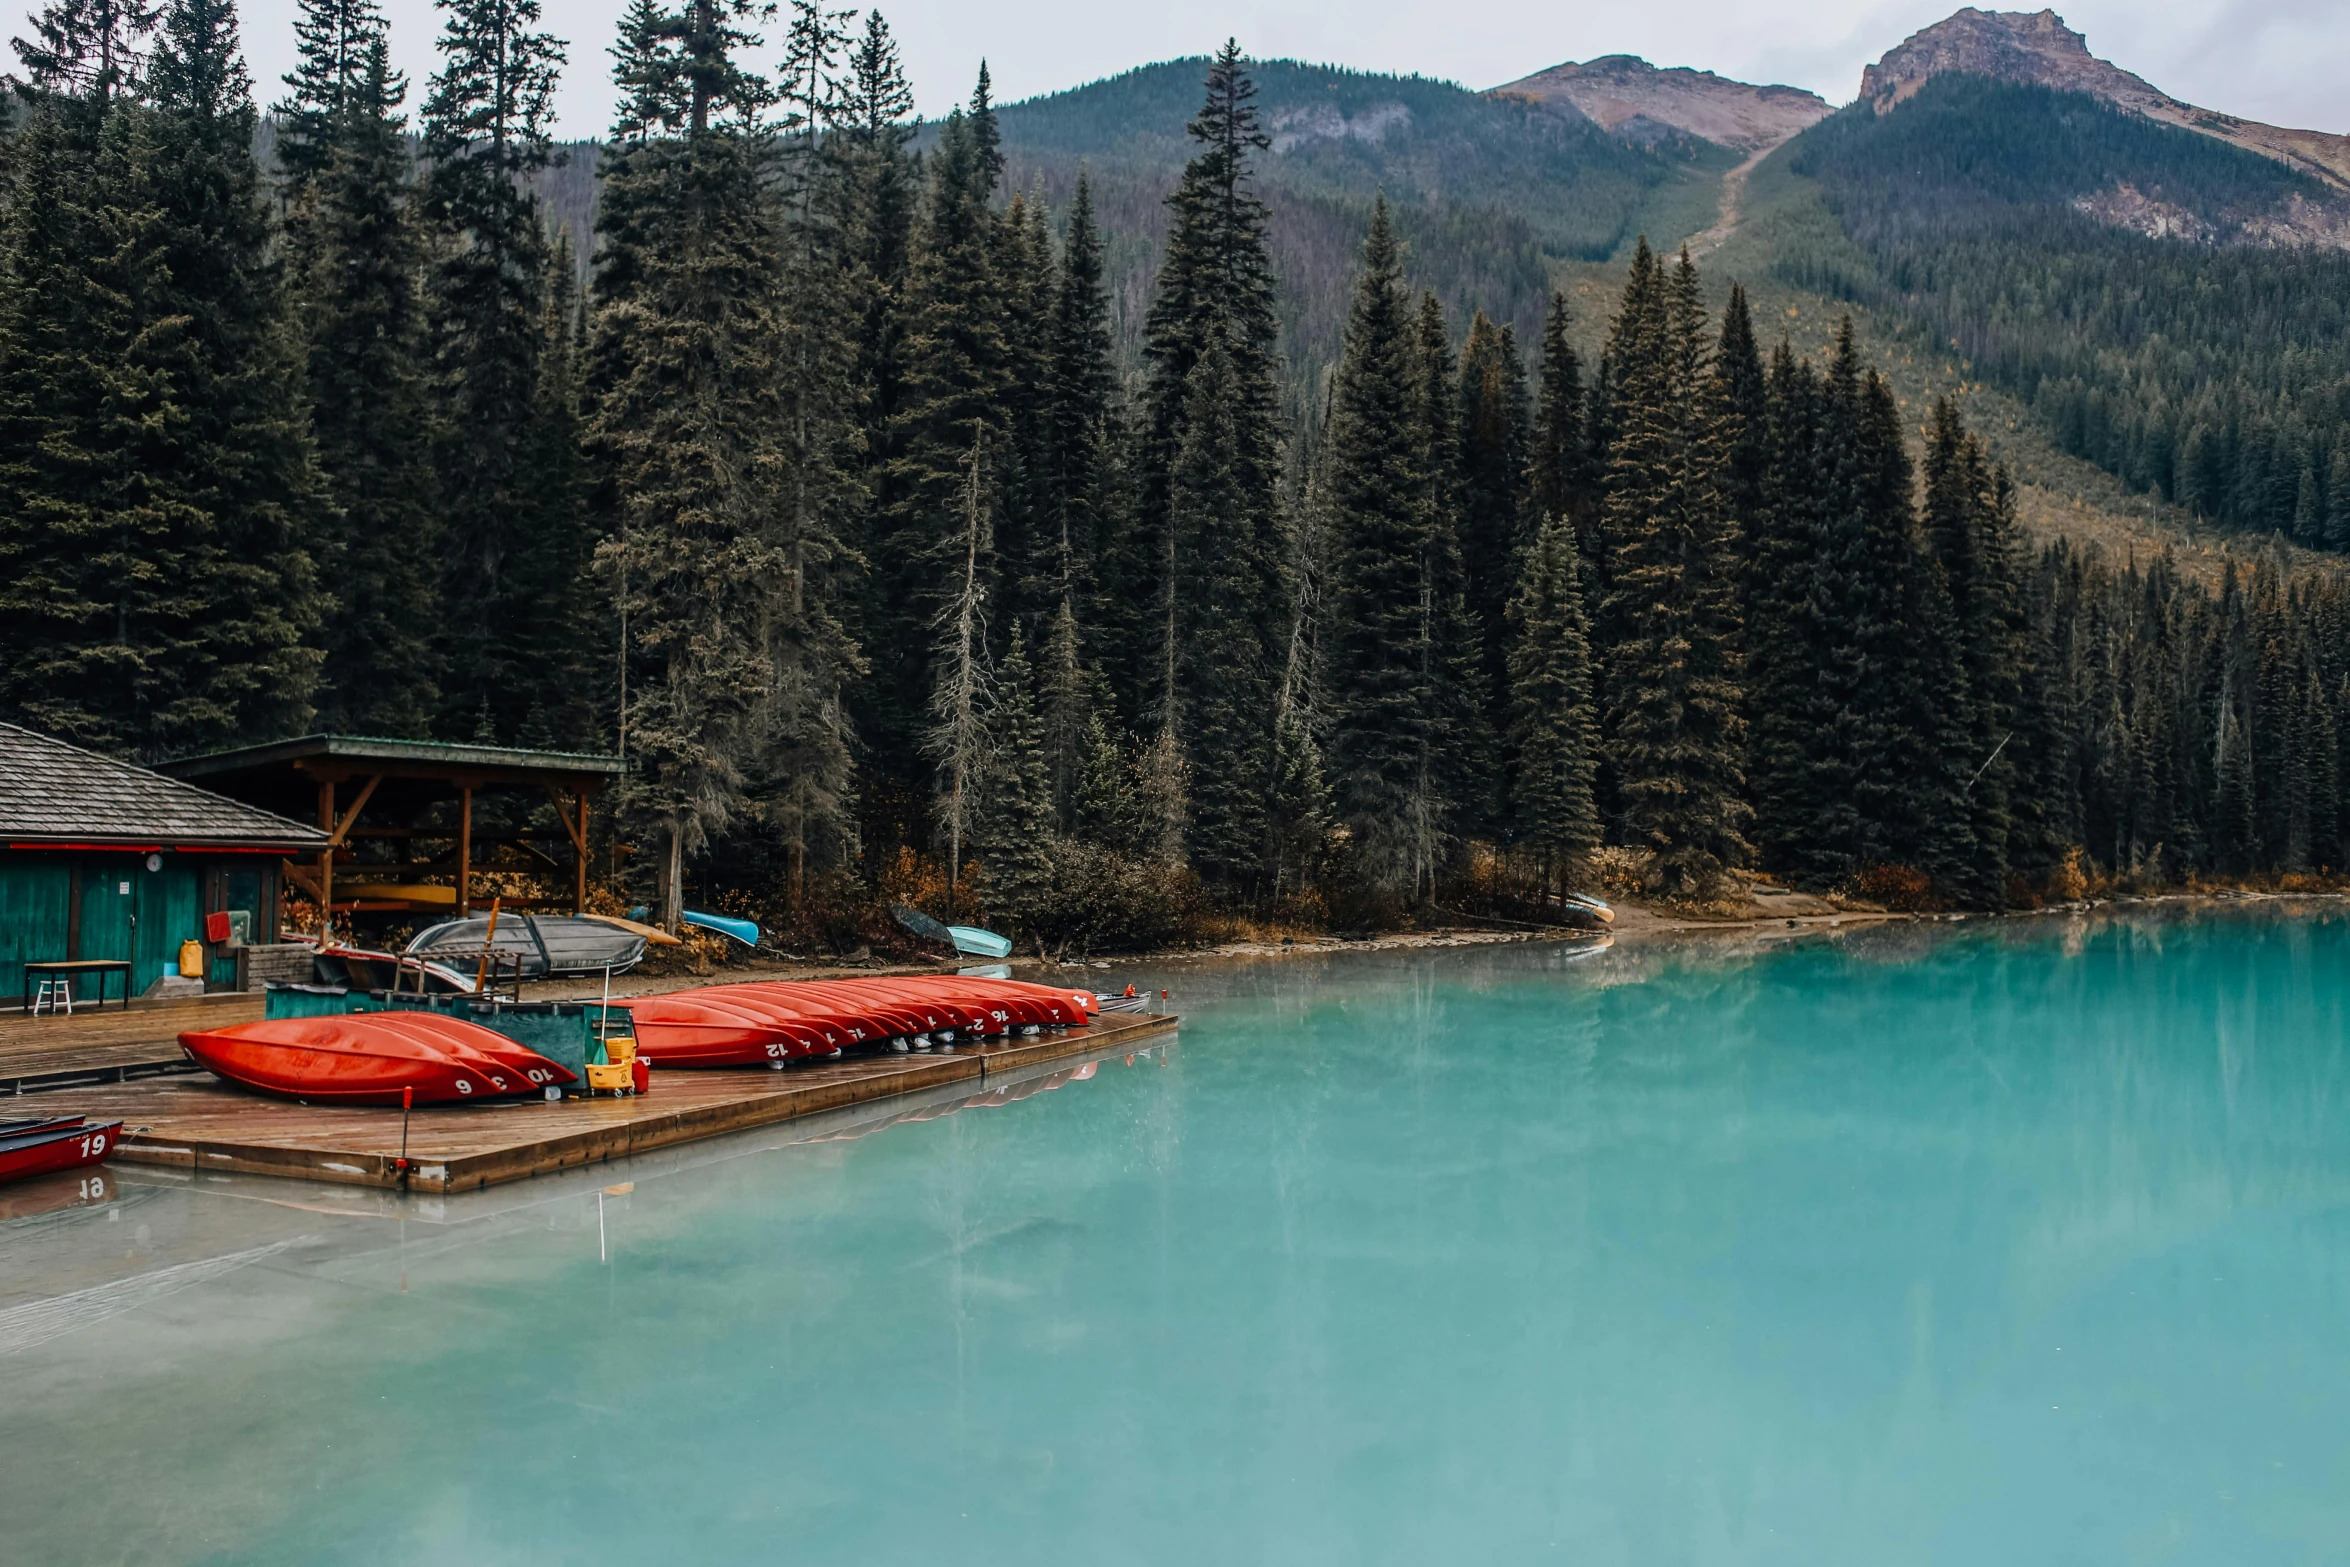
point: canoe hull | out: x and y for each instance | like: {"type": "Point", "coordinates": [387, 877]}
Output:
{"type": "Point", "coordinates": [68, 1147]}
{"type": "Point", "coordinates": [361, 1058]}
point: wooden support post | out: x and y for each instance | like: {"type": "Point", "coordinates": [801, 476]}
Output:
{"type": "Point", "coordinates": [580, 841]}
{"type": "Point", "coordinates": [464, 850]}
{"type": "Point", "coordinates": [326, 859]}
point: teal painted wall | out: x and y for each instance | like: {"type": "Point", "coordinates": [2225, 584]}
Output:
{"type": "Point", "coordinates": [34, 894]}
{"type": "Point", "coordinates": [129, 911]}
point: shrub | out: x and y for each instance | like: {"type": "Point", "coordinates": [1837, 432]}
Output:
{"type": "Point", "coordinates": [1904, 889]}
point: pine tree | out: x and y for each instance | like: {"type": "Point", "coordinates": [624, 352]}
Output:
{"type": "Point", "coordinates": [1554, 728]}
{"type": "Point", "coordinates": [685, 423]}
{"type": "Point", "coordinates": [1561, 480]}
{"type": "Point", "coordinates": [956, 738]}
{"type": "Point", "coordinates": [485, 123]}
{"type": "Point", "coordinates": [1080, 420]}
{"type": "Point", "coordinates": [1782, 624]}
{"type": "Point", "coordinates": [1391, 727]}
{"type": "Point", "coordinates": [1461, 781]}
{"type": "Point", "coordinates": [1967, 537]}
{"type": "Point", "coordinates": [953, 364]}
{"type": "Point", "coordinates": [1675, 728]}
{"type": "Point", "coordinates": [1016, 827]}
{"type": "Point", "coordinates": [1214, 286]}
{"type": "Point", "coordinates": [808, 763]}
{"type": "Point", "coordinates": [1220, 679]}
{"type": "Point", "coordinates": [335, 78]}
{"type": "Point", "coordinates": [163, 387]}
{"type": "Point", "coordinates": [87, 51]}
{"type": "Point", "coordinates": [75, 267]}
{"type": "Point", "coordinates": [370, 415]}
{"type": "Point", "coordinates": [1493, 467]}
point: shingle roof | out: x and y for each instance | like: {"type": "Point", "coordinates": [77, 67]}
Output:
{"type": "Point", "coordinates": [51, 792]}
{"type": "Point", "coordinates": [407, 757]}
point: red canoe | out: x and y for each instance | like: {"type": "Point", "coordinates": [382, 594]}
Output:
{"type": "Point", "coordinates": [66, 1143]}
{"type": "Point", "coordinates": [364, 1058]}
{"type": "Point", "coordinates": [694, 1028]}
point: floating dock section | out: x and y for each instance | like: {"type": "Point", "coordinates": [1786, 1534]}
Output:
{"type": "Point", "coordinates": [197, 1123]}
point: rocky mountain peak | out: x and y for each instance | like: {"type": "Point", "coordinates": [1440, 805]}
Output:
{"type": "Point", "coordinates": [1629, 97]}
{"type": "Point", "coordinates": [2036, 47]}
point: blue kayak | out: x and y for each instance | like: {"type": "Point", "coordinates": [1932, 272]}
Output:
{"type": "Point", "coordinates": [980, 943]}
{"type": "Point", "coordinates": [743, 931]}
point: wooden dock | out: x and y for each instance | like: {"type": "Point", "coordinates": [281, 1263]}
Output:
{"type": "Point", "coordinates": [200, 1124]}
{"type": "Point", "coordinates": [51, 1051]}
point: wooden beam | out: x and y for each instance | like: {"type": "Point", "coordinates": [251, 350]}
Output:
{"type": "Point", "coordinates": [343, 828]}
{"type": "Point", "coordinates": [304, 877]}
{"type": "Point", "coordinates": [464, 852]}
{"type": "Point", "coordinates": [326, 859]}
{"type": "Point", "coordinates": [579, 896]}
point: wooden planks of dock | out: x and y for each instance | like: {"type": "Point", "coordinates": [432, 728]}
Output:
{"type": "Point", "coordinates": [200, 1124]}
{"type": "Point", "coordinates": [90, 1046]}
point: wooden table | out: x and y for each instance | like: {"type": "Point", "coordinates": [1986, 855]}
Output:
{"type": "Point", "coordinates": [67, 968]}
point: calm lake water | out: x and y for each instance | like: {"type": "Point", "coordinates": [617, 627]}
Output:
{"type": "Point", "coordinates": [1957, 1244]}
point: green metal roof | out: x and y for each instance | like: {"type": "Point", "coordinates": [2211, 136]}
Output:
{"type": "Point", "coordinates": [55, 793]}
{"type": "Point", "coordinates": [361, 750]}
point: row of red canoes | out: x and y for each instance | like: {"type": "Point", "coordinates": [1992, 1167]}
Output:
{"type": "Point", "coordinates": [421, 1057]}
{"type": "Point", "coordinates": [777, 1022]}
{"type": "Point", "coordinates": [65, 1142]}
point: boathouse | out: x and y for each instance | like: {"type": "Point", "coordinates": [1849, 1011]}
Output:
{"type": "Point", "coordinates": [403, 829]}
{"type": "Point", "coordinates": [107, 863]}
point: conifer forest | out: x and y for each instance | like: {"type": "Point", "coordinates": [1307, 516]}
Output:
{"type": "Point", "coordinates": [815, 481]}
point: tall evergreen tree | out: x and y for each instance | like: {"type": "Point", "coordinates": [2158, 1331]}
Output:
{"type": "Point", "coordinates": [1554, 727]}
{"type": "Point", "coordinates": [158, 532]}
{"type": "Point", "coordinates": [1675, 723]}
{"type": "Point", "coordinates": [1214, 286]}
{"type": "Point", "coordinates": [1968, 538]}
{"type": "Point", "coordinates": [1220, 677]}
{"type": "Point", "coordinates": [1393, 724]}
{"type": "Point", "coordinates": [1493, 452]}
{"type": "Point", "coordinates": [953, 364]}
{"type": "Point", "coordinates": [335, 46]}
{"type": "Point", "coordinates": [688, 419]}
{"type": "Point", "coordinates": [1016, 826]}
{"type": "Point", "coordinates": [485, 121]}
{"type": "Point", "coordinates": [370, 413]}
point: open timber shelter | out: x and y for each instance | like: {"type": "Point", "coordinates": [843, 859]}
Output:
{"type": "Point", "coordinates": [108, 862]}
{"type": "Point", "coordinates": [397, 828]}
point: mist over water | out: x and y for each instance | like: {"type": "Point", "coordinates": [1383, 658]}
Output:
{"type": "Point", "coordinates": [1993, 1242]}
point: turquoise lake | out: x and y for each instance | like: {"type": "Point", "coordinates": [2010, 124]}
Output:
{"type": "Point", "coordinates": [2018, 1242]}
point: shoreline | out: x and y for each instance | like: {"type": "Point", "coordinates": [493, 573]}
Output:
{"type": "Point", "coordinates": [1777, 916]}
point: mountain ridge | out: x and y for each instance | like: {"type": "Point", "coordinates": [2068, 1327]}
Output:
{"type": "Point", "coordinates": [1628, 97]}
{"type": "Point", "coordinates": [2037, 47]}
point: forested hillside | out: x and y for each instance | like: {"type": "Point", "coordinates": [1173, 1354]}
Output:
{"type": "Point", "coordinates": [2171, 308]}
{"type": "Point", "coordinates": [1484, 192]}
{"type": "Point", "coordinates": [904, 562]}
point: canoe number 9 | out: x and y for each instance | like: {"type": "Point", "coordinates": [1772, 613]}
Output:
{"type": "Point", "coordinates": [463, 1086]}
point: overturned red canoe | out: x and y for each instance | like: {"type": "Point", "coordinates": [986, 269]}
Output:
{"type": "Point", "coordinates": [688, 1028]}
{"type": "Point", "coordinates": [63, 1143]}
{"type": "Point", "coordinates": [361, 1058]}
{"type": "Point", "coordinates": [537, 1071]}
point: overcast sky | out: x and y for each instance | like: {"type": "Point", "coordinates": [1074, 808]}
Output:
{"type": "Point", "coordinates": [2283, 61]}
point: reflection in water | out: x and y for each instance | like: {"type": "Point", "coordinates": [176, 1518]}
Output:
{"type": "Point", "coordinates": [2014, 1241]}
